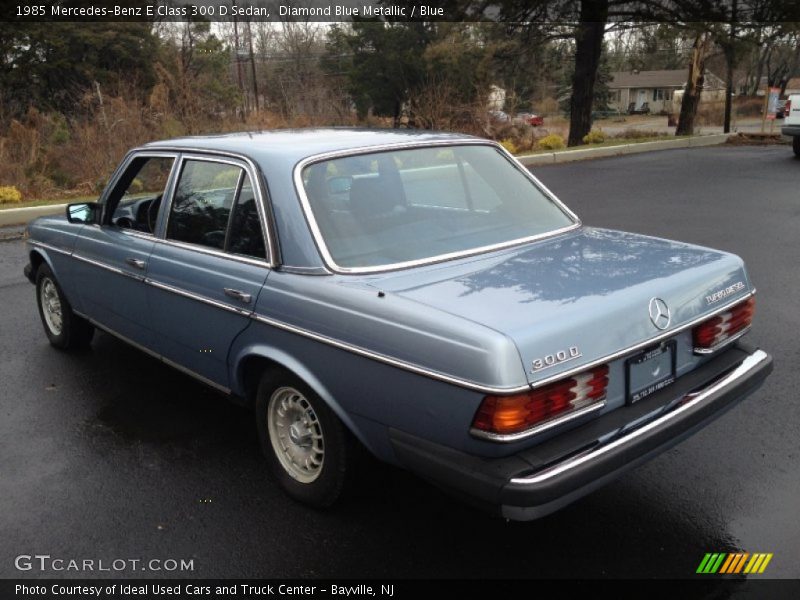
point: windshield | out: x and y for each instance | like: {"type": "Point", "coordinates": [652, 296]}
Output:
{"type": "Point", "coordinates": [388, 208]}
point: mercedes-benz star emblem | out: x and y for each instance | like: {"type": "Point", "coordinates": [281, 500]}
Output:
{"type": "Point", "coordinates": [659, 313]}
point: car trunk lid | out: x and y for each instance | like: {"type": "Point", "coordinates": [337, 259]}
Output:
{"type": "Point", "coordinates": [578, 297]}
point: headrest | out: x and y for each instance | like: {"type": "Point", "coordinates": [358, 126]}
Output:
{"type": "Point", "coordinates": [371, 197]}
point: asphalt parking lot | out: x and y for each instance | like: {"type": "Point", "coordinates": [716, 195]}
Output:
{"type": "Point", "coordinates": [110, 454]}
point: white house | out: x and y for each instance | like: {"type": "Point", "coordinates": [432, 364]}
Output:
{"type": "Point", "coordinates": [631, 89]}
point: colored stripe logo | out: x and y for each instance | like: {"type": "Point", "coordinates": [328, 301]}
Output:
{"type": "Point", "coordinates": [733, 563]}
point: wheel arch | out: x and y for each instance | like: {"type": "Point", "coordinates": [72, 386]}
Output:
{"type": "Point", "coordinates": [251, 363]}
{"type": "Point", "coordinates": [37, 258]}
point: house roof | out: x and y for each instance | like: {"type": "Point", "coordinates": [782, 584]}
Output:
{"type": "Point", "coordinates": [659, 79]}
{"type": "Point", "coordinates": [793, 84]}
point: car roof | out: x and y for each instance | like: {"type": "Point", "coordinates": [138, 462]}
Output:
{"type": "Point", "coordinates": [296, 144]}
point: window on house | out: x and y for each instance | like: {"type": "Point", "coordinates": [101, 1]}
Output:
{"type": "Point", "coordinates": [659, 94]}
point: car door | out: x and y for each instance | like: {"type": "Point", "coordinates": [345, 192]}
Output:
{"type": "Point", "coordinates": [206, 272]}
{"type": "Point", "coordinates": [111, 257]}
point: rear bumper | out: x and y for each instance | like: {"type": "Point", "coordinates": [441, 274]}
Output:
{"type": "Point", "coordinates": [791, 130]}
{"type": "Point", "coordinates": [543, 479]}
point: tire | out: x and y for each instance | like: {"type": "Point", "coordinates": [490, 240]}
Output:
{"type": "Point", "coordinates": [311, 453]}
{"type": "Point", "coordinates": [64, 329]}
{"type": "Point", "coordinates": [796, 145]}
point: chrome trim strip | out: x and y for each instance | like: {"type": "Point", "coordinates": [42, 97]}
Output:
{"type": "Point", "coordinates": [722, 344]}
{"type": "Point", "coordinates": [149, 352]}
{"type": "Point", "coordinates": [640, 345]}
{"type": "Point", "coordinates": [213, 252]}
{"type": "Point", "coordinates": [200, 378]}
{"type": "Point", "coordinates": [471, 385]}
{"type": "Point", "coordinates": [194, 247]}
{"type": "Point", "coordinates": [388, 359]}
{"type": "Point", "coordinates": [134, 233]}
{"type": "Point", "coordinates": [305, 270]}
{"type": "Point", "coordinates": [198, 297]}
{"type": "Point", "coordinates": [253, 172]}
{"type": "Point", "coordinates": [513, 437]}
{"type": "Point", "coordinates": [320, 241]}
{"type": "Point", "coordinates": [107, 267]}
{"type": "Point", "coordinates": [747, 365]}
{"type": "Point", "coordinates": [46, 246]}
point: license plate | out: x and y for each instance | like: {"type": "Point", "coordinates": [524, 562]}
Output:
{"type": "Point", "coordinates": [650, 371]}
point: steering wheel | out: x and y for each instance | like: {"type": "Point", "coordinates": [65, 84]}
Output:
{"type": "Point", "coordinates": [125, 223]}
{"type": "Point", "coordinates": [152, 213]}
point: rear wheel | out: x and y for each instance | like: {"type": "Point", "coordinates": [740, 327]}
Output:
{"type": "Point", "coordinates": [309, 450]}
{"type": "Point", "coordinates": [796, 145]}
{"type": "Point", "coordinates": [63, 328]}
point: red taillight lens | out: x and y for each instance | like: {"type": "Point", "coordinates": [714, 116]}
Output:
{"type": "Point", "coordinates": [716, 330]}
{"type": "Point", "coordinates": [787, 107]}
{"type": "Point", "coordinates": [513, 414]}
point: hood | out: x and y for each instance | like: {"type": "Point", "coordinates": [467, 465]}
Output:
{"type": "Point", "coordinates": [589, 290]}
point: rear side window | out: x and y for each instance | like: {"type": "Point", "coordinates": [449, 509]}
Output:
{"type": "Point", "coordinates": [245, 235]}
{"type": "Point", "coordinates": [202, 203]}
{"type": "Point", "coordinates": [215, 206]}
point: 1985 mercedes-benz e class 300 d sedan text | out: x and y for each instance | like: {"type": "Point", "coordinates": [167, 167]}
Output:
{"type": "Point", "coordinates": [420, 295]}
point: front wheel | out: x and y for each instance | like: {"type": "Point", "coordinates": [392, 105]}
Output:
{"type": "Point", "coordinates": [63, 328]}
{"type": "Point", "coordinates": [796, 145]}
{"type": "Point", "coordinates": [309, 450]}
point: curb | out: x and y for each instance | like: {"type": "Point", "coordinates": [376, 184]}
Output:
{"type": "Point", "coordinates": [550, 158]}
{"type": "Point", "coordinates": [21, 216]}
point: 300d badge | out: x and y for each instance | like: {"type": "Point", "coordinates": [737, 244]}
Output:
{"type": "Point", "coordinates": [559, 357]}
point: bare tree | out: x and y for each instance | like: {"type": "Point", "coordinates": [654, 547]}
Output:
{"type": "Point", "coordinates": [694, 86]}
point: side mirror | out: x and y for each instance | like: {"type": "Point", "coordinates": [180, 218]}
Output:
{"type": "Point", "coordinates": [82, 212]}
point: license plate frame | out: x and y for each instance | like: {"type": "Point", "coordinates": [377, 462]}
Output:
{"type": "Point", "coordinates": [661, 356]}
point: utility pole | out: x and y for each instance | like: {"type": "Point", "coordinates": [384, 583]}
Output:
{"type": "Point", "coordinates": [239, 63]}
{"type": "Point", "coordinates": [730, 59]}
{"type": "Point", "coordinates": [252, 65]}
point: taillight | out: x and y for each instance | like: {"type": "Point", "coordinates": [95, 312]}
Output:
{"type": "Point", "coordinates": [713, 332]}
{"type": "Point", "coordinates": [513, 414]}
{"type": "Point", "coordinates": [787, 107]}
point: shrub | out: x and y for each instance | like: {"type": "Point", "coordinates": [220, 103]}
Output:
{"type": "Point", "coordinates": [509, 145]}
{"type": "Point", "coordinates": [552, 142]}
{"type": "Point", "coordinates": [595, 136]}
{"type": "Point", "coordinates": [9, 194]}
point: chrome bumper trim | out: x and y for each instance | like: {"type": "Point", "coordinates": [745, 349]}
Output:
{"type": "Point", "coordinates": [689, 401]}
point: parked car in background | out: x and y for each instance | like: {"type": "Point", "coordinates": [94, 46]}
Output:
{"type": "Point", "coordinates": [791, 123]}
{"type": "Point", "coordinates": [527, 118]}
{"type": "Point", "coordinates": [420, 296]}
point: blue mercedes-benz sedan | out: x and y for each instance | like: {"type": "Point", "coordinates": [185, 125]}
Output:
{"type": "Point", "coordinates": [419, 296]}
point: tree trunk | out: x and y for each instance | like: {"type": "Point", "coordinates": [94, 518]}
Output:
{"type": "Point", "coordinates": [694, 87]}
{"type": "Point", "coordinates": [756, 86]}
{"type": "Point", "coordinates": [588, 47]}
{"type": "Point", "coordinates": [726, 126]}
{"type": "Point", "coordinates": [730, 60]}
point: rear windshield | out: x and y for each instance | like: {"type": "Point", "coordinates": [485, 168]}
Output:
{"type": "Point", "coordinates": [388, 208]}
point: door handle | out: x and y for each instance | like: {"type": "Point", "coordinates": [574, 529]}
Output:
{"type": "Point", "coordinates": [238, 295]}
{"type": "Point", "coordinates": [136, 263]}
